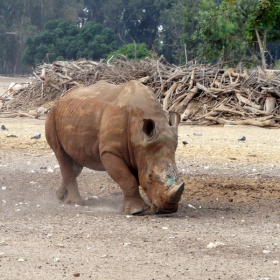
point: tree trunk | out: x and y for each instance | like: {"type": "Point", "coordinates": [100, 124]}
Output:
{"type": "Point", "coordinates": [262, 46]}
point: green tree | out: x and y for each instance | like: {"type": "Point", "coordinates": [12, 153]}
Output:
{"type": "Point", "coordinates": [177, 27]}
{"type": "Point", "coordinates": [63, 39]}
{"type": "Point", "coordinates": [131, 20]}
{"type": "Point", "coordinates": [223, 30]}
{"type": "Point", "coordinates": [21, 19]}
{"type": "Point", "coordinates": [262, 20]}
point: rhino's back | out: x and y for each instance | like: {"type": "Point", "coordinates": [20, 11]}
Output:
{"type": "Point", "coordinates": [86, 116]}
{"type": "Point", "coordinates": [132, 94]}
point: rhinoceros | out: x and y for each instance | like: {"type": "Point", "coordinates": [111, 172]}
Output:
{"type": "Point", "coordinates": [121, 129]}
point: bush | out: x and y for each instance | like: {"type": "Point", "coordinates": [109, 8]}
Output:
{"type": "Point", "coordinates": [132, 51]}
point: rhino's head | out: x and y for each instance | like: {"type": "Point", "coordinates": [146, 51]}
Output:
{"type": "Point", "coordinates": [157, 170]}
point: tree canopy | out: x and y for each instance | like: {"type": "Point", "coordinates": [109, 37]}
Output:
{"type": "Point", "coordinates": [208, 31]}
{"type": "Point", "coordinates": [63, 40]}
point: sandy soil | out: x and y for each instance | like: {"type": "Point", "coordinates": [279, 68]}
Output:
{"type": "Point", "coordinates": [227, 226]}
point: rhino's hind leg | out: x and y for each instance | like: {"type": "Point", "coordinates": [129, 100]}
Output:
{"type": "Point", "coordinates": [68, 191]}
{"type": "Point", "coordinates": [61, 192]}
{"type": "Point", "coordinates": [70, 170]}
{"type": "Point", "coordinates": [120, 173]}
{"type": "Point", "coordinates": [69, 186]}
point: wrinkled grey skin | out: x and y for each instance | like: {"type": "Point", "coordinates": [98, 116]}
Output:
{"type": "Point", "coordinates": [121, 129]}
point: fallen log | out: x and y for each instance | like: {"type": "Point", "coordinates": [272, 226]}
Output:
{"type": "Point", "coordinates": [254, 122]}
{"type": "Point", "coordinates": [168, 94]}
{"type": "Point", "coordinates": [182, 105]}
{"type": "Point", "coordinates": [246, 101]}
{"type": "Point", "coordinates": [255, 111]}
{"type": "Point", "coordinates": [224, 109]}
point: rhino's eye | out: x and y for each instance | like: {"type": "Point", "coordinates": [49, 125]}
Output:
{"type": "Point", "coordinates": [150, 176]}
{"type": "Point", "coordinates": [149, 127]}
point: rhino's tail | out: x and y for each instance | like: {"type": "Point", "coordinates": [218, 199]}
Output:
{"type": "Point", "coordinates": [50, 131]}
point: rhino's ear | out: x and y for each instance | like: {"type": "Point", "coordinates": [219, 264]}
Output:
{"type": "Point", "coordinates": [148, 127]}
{"type": "Point", "coordinates": [174, 119]}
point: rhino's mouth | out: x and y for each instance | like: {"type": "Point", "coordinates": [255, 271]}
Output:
{"type": "Point", "coordinates": [166, 209]}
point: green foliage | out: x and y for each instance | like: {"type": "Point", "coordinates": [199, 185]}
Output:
{"type": "Point", "coordinates": [132, 51]}
{"type": "Point", "coordinates": [178, 26]}
{"type": "Point", "coordinates": [277, 65]}
{"type": "Point", "coordinates": [265, 16]}
{"type": "Point", "coordinates": [132, 20]}
{"type": "Point", "coordinates": [61, 39]}
{"type": "Point", "coordinates": [181, 30]}
{"type": "Point", "coordinates": [265, 13]}
{"type": "Point", "coordinates": [23, 19]}
{"type": "Point", "coordinates": [223, 31]}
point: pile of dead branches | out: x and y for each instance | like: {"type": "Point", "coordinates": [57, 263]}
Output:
{"type": "Point", "coordinates": [201, 94]}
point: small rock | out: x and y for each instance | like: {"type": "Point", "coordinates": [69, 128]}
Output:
{"type": "Point", "coordinates": [126, 244]}
{"type": "Point", "coordinates": [266, 251]}
{"type": "Point", "coordinates": [49, 169]}
{"type": "Point", "coordinates": [191, 206]}
{"type": "Point", "coordinates": [212, 245]}
{"type": "Point", "coordinates": [164, 228]}
{"type": "Point", "coordinates": [76, 274]}
{"type": "Point", "coordinates": [2, 254]}
{"type": "Point", "coordinates": [3, 243]}
{"type": "Point", "coordinates": [56, 259]}
{"type": "Point", "coordinates": [275, 262]}
{"type": "Point", "coordinates": [93, 197]}
{"type": "Point", "coordinates": [4, 188]}
{"type": "Point", "coordinates": [21, 260]}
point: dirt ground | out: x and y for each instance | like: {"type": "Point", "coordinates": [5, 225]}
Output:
{"type": "Point", "coordinates": [227, 225]}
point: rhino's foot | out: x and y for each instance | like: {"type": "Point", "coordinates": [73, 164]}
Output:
{"type": "Point", "coordinates": [146, 212]}
{"type": "Point", "coordinates": [74, 200]}
{"type": "Point", "coordinates": [61, 193]}
{"type": "Point", "coordinates": [134, 207]}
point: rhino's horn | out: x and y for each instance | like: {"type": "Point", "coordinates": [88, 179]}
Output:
{"type": "Point", "coordinates": [174, 194]}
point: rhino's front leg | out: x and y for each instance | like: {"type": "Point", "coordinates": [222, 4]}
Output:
{"type": "Point", "coordinates": [120, 173]}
